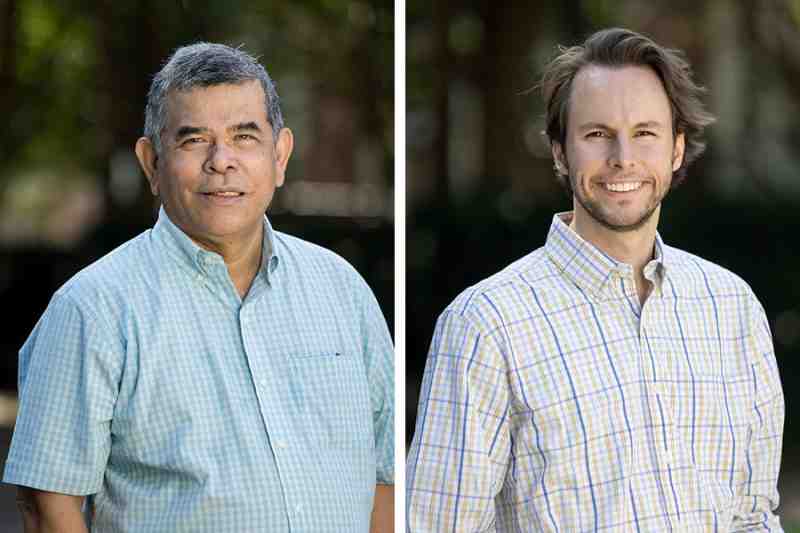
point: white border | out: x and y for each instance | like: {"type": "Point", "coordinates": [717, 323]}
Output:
{"type": "Point", "coordinates": [400, 263]}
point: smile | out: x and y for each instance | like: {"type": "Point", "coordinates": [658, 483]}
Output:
{"type": "Point", "coordinates": [224, 198]}
{"type": "Point", "coordinates": [623, 187]}
{"type": "Point", "coordinates": [224, 194]}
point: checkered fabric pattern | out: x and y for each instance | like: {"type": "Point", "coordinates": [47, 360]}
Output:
{"type": "Point", "coordinates": [553, 402]}
{"type": "Point", "coordinates": [151, 385]}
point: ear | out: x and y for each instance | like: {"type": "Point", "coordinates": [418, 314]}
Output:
{"type": "Point", "coordinates": [146, 153]}
{"type": "Point", "coordinates": [677, 151]}
{"type": "Point", "coordinates": [559, 158]}
{"type": "Point", "coordinates": [283, 150]}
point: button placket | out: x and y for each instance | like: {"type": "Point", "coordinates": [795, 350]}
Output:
{"type": "Point", "coordinates": [654, 387]}
{"type": "Point", "coordinates": [277, 434]}
{"type": "Point", "coordinates": [655, 391]}
{"type": "Point", "coordinates": [203, 267]}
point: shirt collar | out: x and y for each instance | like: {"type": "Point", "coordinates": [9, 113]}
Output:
{"type": "Point", "coordinates": [589, 267]}
{"type": "Point", "coordinates": [198, 259]}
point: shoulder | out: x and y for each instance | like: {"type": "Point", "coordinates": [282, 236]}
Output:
{"type": "Point", "coordinates": [489, 303]}
{"type": "Point", "coordinates": [85, 310]}
{"type": "Point", "coordinates": [321, 272]}
{"type": "Point", "coordinates": [692, 273]}
{"type": "Point", "coordinates": [309, 259]}
{"type": "Point", "coordinates": [327, 280]}
{"type": "Point", "coordinates": [696, 280]}
{"type": "Point", "coordinates": [108, 279]}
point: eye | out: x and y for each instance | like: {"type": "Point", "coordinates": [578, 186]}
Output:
{"type": "Point", "coordinates": [645, 133]}
{"type": "Point", "coordinates": [192, 140]}
{"type": "Point", "coordinates": [245, 137]}
{"type": "Point", "coordinates": [596, 134]}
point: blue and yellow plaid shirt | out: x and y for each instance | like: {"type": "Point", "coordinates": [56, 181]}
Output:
{"type": "Point", "coordinates": [553, 402]}
{"type": "Point", "coordinates": [150, 384]}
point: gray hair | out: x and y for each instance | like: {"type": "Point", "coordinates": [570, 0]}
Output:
{"type": "Point", "coordinates": [204, 65]}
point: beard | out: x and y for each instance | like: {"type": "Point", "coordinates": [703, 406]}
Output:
{"type": "Point", "coordinates": [609, 220]}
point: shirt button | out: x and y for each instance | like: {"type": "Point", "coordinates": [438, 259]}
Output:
{"type": "Point", "coordinates": [298, 508]}
{"type": "Point", "coordinates": [281, 444]}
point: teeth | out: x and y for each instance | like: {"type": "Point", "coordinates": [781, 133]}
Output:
{"type": "Point", "coordinates": [623, 187]}
{"type": "Point", "coordinates": [225, 193]}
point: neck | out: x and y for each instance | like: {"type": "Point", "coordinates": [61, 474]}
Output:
{"type": "Point", "coordinates": [242, 258]}
{"type": "Point", "coordinates": [634, 247]}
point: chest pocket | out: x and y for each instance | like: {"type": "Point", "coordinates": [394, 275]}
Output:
{"type": "Point", "coordinates": [333, 398]}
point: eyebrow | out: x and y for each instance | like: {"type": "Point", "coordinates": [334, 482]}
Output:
{"type": "Point", "coordinates": [653, 124]}
{"type": "Point", "coordinates": [185, 131]}
{"type": "Point", "coordinates": [246, 126]}
{"type": "Point", "coordinates": [593, 126]}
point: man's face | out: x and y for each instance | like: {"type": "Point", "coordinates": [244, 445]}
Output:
{"type": "Point", "coordinates": [620, 151]}
{"type": "Point", "coordinates": [219, 164]}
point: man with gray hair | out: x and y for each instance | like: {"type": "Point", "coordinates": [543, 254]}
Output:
{"type": "Point", "coordinates": [211, 374]}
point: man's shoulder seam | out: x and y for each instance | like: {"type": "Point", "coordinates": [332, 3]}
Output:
{"type": "Point", "coordinates": [511, 274]}
{"type": "Point", "coordinates": [689, 263]}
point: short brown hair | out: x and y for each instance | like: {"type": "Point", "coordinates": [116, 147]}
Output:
{"type": "Point", "coordinates": [618, 47]}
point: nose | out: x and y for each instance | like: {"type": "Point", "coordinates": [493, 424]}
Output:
{"type": "Point", "coordinates": [220, 160]}
{"type": "Point", "coordinates": [621, 154]}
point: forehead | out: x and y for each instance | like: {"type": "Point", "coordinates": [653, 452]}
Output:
{"type": "Point", "coordinates": [618, 96]}
{"type": "Point", "coordinates": [217, 105]}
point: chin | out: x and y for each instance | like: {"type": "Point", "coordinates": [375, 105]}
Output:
{"type": "Point", "coordinates": [227, 222]}
{"type": "Point", "coordinates": [627, 223]}
{"type": "Point", "coordinates": [227, 230]}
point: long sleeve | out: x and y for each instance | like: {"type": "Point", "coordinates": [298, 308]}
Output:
{"type": "Point", "coordinates": [757, 495]}
{"type": "Point", "coordinates": [460, 452]}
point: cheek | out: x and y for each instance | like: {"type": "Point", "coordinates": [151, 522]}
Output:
{"type": "Point", "coordinates": [661, 173]}
{"type": "Point", "coordinates": [184, 172]}
{"type": "Point", "coordinates": [586, 157]}
{"type": "Point", "coordinates": [658, 155]}
{"type": "Point", "coordinates": [253, 157]}
{"type": "Point", "coordinates": [263, 173]}
{"type": "Point", "coordinates": [580, 181]}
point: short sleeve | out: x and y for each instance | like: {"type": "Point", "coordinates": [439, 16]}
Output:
{"type": "Point", "coordinates": [69, 371]}
{"type": "Point", "coordinates": [379, 362]}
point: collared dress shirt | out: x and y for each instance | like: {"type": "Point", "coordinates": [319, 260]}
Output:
{"type": "Point", "coordinates": [150, 384]}
{"type": "Point", "coordinates": [553, 402]}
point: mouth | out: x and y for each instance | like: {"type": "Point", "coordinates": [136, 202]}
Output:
{"type": "Point", "coordinates": [622, 186]}
{"type": "Point", "coordinates": [224, 194]}
{"type": "Point", "coordinates": [223, 198]}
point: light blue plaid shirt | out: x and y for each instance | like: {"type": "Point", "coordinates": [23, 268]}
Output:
{"type": "Point", "coordinates": [553, 402]}
{"type": "Point", "coordinates": [149, 383]}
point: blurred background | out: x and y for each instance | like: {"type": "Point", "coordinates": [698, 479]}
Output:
{"type": "Point", "coordinates": [480, 186]}
{"type": "Point", "coordinates": [73, 79]}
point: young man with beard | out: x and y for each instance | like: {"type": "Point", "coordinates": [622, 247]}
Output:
{"type": "Point", "coordinates": [606, 381]}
